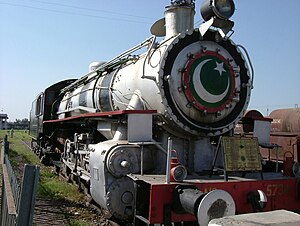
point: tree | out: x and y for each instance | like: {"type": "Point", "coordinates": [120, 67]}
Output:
{"type": "Point", "coordinates": [19, 124]}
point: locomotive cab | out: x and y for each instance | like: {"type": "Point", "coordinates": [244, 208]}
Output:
{"type": "Point", "coordinates": [41, 110]}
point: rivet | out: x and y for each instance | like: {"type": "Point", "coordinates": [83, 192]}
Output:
{"type": "Point", "coordinates": [190, 56]}
{"type": "Point", "coordinates": [182, 70]}
{"type": "Point", "coordinates": [203, 49]}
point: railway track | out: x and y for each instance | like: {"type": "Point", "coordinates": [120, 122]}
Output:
{"type": "Point", "coordinates": [26, 144]}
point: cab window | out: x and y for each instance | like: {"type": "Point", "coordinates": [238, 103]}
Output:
{"type": "Point", "coordinates": [39, 105]}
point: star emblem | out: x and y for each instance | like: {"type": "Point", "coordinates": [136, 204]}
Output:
{"type": "Point", "coordinates": [219, 67]}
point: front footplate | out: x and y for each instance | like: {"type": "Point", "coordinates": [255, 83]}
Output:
{"type": "Point", "coordinates": [156, 202]}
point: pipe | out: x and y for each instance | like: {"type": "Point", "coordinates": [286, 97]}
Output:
{"type": "Point", "coordinates": [179, 18]}
{"type": "Point", "coordinates": [169, 156]}
{"type": "Point", "coordinates": [121, 133]}
{"type": "Point", "coordinates": [190, 200]}
{"type": "Point", "coordinates": [136, 102]}
{"type": "Point", "coordinates": [205, 206]}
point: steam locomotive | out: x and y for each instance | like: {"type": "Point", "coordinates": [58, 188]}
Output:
{"type": "Point", "coordinates": [150, 136]}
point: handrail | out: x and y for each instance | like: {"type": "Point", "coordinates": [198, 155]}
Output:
{"type": "Point", "coordinates": [250, 63]}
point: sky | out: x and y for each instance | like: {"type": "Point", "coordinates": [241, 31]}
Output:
{"type": "Point", "coordinates": [46, 41]}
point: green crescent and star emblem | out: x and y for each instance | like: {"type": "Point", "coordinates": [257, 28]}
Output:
{"type": "Point", "coordinates": [209, 81]}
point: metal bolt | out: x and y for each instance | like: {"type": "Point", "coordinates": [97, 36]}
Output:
{"type": "Point", "coordinates": [236, 91]}
{"type": "Point", "coordinates": [227, 106]}
{"type": "Point", "coordinates": [236, 99]}
{"type": "Point", "coordinates": [166, 78]}
{"type": "Point", "coordinates": [191, 56]}
{"type": "Point", "coordinates": [182, 70]}
{"type": "Point", "coordinates": [125, 164]}
{"type": "Point", "coordinates": [245, 85]}
{"type": "Point", "coordinates": [189, 105]}
{"type": "Point", "coordinates": [236, 69]}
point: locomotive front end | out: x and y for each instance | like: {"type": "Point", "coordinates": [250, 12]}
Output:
{"type": "Point", "coordinates": [204, 79]}
{"type": "Point", "coordinates": [205, 84]}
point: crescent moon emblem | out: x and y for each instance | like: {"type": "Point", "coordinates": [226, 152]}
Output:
{"type": "Point", "coordinates": [201, 91]}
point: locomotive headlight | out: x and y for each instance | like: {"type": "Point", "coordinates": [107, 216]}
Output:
{"type": "Point", "coordinates": [222, 9]}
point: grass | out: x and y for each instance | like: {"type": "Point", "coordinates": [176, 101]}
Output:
{"type": "Point", "coordinates": [77, 223]}
{"type": "Point", "coordinates": [17, 149]}
{"type": "Point", "coordinates": [50, 185]}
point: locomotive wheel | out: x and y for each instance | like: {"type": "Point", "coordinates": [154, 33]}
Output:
{"type": "Point", "coordinates": [74, 179]}
{"type": "Point", "coordinates": [83, 186]}
{"type": "Point", "coordinates": [57, 169]}
{"type": "Point", "coordinates": [67, 174]}
{"type": "Point", "coordinates": [46, 160]}
{"type": "Point", "coordinates": [88, 198]}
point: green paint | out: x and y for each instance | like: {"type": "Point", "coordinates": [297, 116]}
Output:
{"type": "Point", "coordinates": [212, 81]}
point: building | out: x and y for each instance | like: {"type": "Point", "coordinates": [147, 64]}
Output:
{"type": "Point", "coordinates": [3, 121]}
